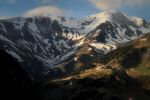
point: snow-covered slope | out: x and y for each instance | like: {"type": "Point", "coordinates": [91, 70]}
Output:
{"type": "Point", "coordinates": [41, 43]}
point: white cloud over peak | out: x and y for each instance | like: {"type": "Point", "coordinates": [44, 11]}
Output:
{"type": "Point", "coordinates": [106, 4]}
{"type": "Point", "coordinates": [48, 10]}
{"type": "Point", "coordinates": [11, 1]}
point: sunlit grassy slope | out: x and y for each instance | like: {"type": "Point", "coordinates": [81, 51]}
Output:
{"type": "Point", "coordinates": [134, 58]}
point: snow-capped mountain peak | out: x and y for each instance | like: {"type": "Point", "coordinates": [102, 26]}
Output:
{"type": "Point", "coordinates": [41, 43]}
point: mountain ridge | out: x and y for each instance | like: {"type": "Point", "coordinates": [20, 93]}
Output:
{"type": "Point", "coordinates": [42, 43]}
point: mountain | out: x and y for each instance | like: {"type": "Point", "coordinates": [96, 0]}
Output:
{"type": "Point", "coordinates": [41, 43]}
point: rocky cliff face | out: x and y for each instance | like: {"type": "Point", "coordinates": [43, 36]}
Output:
{"type": "Point", "coordinates": [41, 43]}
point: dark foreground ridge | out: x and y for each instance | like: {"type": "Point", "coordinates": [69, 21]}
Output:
{"type": "Point", "coordinates": [15, 81]}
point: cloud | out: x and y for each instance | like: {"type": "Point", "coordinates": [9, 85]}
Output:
{"type": "Point", "coordinates": [11, 1]}
{"type": "Point", "coordinates": [133, 3]}
{"type": "Point", "coordinates": [47, 10]}
{"type": "Point", "coordinates": [106, 4]}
